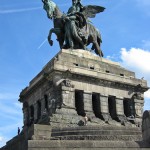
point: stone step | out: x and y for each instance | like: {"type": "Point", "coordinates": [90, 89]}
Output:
{"type": "Point", "coordinates": [84, 145]}
{"type": "Point", "coordinates": [95, 132]}
{"type": "Point", "coordinates": [101, 137]}
{"type": "Point", "coordinates": [96, 128]}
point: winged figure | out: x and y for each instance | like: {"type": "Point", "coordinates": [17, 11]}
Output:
{"type": "Point", "coordinates": [91, 10]}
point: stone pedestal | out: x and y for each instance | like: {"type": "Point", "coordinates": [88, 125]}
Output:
{"type": "Point", "coordinates": [77, 83]}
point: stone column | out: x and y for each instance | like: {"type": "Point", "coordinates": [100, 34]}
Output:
{"type": "Point", "coordinates": [104, 107]}
{"type": "Point", "coordinates": [87, 99]}
{"type": "Point", "coordinates": [120, 109]}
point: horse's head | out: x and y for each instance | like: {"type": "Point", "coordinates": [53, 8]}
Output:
{"type": "Point", "coordinates": [50, 7]}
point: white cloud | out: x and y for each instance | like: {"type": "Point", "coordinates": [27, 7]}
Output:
{"type": "Point", "coordinates": [114, 57]}
{"type": "Point", "coordinates": [1, 138]}
{"type": "Point", "coordinates": [147, 94]}
{"type": "Point", "coordinates": [19, 10]}
{"type": "Point", "coordinates": [138, 60]}
{"type": "Point", "coordinates": [3, 141]}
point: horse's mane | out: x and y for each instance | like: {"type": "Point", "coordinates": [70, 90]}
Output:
{"type": "Point", "coordinates": [52, 5]}
{"type": "Point", "coordinates": [54, 8]}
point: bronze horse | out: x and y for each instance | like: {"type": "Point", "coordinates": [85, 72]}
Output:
{"type": "Point", "coordinates": [54, 13]}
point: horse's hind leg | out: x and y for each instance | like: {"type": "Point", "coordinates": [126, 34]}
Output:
{"type": "Point", "coordinates": [61, 42]}
{"type": "Point", "coordinates": [97, 49]}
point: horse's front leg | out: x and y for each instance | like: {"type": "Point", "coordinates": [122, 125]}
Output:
{"type": "Point", "coordinates": [49, 36]}
{"type": "Point", "coordinates": [57, 31]}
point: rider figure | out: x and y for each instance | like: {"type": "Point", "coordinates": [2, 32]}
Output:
{"type": "Point", "coordinates": [79, 6]}
{"type": "Point", "coordinates": [77, 20]}
{"type": "Point", "coordinates": [76, 7]}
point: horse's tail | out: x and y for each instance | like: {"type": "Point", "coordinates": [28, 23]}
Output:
{"type": "Point", "coordinates": [99, 41]}
{"type": "Point", "coordinates": [99, 38]}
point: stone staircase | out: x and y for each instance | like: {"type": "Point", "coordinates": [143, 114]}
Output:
{"type": "Point", "coordinates": [106, 137]}
{"type": "Point", "coordinates": [92, 138]}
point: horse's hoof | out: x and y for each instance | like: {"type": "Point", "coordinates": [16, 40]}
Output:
{"type": "Point", "coordinates": [102, 55]}
{"type": "Point", "coordinates": [51, 42]}
{"type": "Point", "coordinates": [64, 47]}
{"type": "Point", "coordinates": [84, 48]}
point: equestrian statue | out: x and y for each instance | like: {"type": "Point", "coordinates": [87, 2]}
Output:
{"type": "Point", "coordinates": [74, 30]}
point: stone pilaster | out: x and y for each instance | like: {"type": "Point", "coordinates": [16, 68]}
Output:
{"type": "Point", "coordinates": [120, 109]}
{"type": "Point", "coordinates": [104, 107]}
{"type": "Point", "coordinates": [42, 106]}
{"type": "Point", "coordinates": [35, 112]}
{"type": "Point", "coordinates": [26, 116]}
{"type": "Point", "coordinates": [68, 97]}
{"type": "Point", "coordinates": [68, 102]}
{"type": "Point", "coordinates": [138, 111]}
{"type": "Point", "coordinates": [87, 99]}
{"type": "Point", "coordinates": [139, 107]}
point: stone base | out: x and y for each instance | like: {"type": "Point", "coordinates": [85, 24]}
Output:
{"type": "Point", "coordinates": [45, 137]}
{"type": "Point", "coordinates": [84, 145]}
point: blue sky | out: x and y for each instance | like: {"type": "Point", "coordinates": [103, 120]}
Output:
{"type": "Point", "coordinates": [24, 50]}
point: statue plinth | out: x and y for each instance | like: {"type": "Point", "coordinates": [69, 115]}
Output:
{"type": "Point", "coordinates": [77, 83]}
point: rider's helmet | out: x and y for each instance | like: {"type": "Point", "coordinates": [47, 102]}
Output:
{"type": "Point", "coordinates": [74, 2]}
